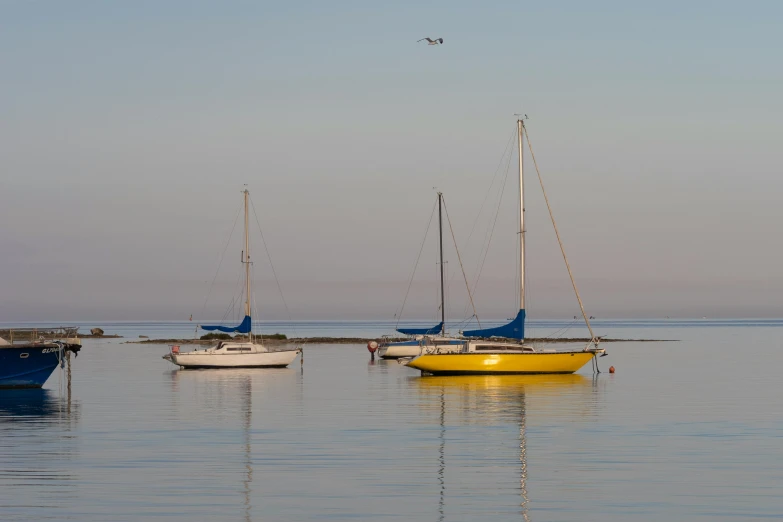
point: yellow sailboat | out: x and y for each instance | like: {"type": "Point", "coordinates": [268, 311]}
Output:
{"type": "Point", "coordinates": [512, 360]}
{"type": "Point", "coordinates": [501, 350]}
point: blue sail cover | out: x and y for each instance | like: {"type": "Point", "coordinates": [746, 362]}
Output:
{"type": "Point", "coordinates": [244, 327]}
{"type": "Point", "coordinates": [438, 328]}
{"type": "Point", "coordinates": [513, 330]}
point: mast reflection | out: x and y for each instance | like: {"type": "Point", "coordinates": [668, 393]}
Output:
{"type": "Point", "coordinates": [442, 457]}
{"type": "Point", "coordinates": [37, 427]}
{"type": "Point", "coordinates": [227, 389]}
{"type": "Point", "coordinates": [498, 399]}
{"type": "Point", "coordinates": [38, 406]}
{"type": "Point", "coordinates": [523, 461]}
{"type": "Point", "coordinates": [247, 406]}
{"type": "Point", "coordinates": [218, 392]}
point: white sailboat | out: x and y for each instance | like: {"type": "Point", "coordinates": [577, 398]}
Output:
{"type": "Point", "coordinates": [427, 340]}
{"type": "Point", "coordinates": [235, 354]}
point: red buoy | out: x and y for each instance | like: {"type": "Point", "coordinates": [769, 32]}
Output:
{"type": "Point", "coordinates": [611, 369]}
{"type": "Point", "coordinates": [175, 349]}
{"type": "Point", "coordinates": [372, 346]}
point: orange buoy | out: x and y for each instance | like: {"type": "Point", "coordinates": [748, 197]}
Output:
{"type": "Point", "coordinates": [611, 369]}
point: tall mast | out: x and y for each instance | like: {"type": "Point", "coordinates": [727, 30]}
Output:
{"type": "Point", "coordinates": [442, 288]}
{"type": "Point", "coordinates": [247, 259]}
{"type": "Point", "coordinates": [520, 131]}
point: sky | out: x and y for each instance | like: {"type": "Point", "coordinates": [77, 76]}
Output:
{"type": "Point", "coordinates": [128, 130]}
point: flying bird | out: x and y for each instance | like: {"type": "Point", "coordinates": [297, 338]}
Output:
{"type": "Point", "coordinates": [436, 41]}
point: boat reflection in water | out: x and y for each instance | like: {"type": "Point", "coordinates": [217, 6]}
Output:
{"type": "Point", "coordinates": [501, 400]}
{"type": "Point", "coordinates": [37, 407]}
{"type": "Point", "coordinates": [38, 445]}
{"type": "Point", "coordinates": [224, 399]}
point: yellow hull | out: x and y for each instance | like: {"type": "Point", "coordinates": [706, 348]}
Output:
{"type": "Point", "coordinates": [500, 363]}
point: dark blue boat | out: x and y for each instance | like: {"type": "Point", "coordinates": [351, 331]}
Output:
{"type": "Point", "coordinates": [30, 365]}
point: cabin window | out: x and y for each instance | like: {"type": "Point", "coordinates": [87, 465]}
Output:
{"type": "Point", "coordinates": [500, 348]}
{"type": "Point", "coordinates": [239, 349]}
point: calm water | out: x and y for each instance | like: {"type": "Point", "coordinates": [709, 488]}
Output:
{"type": "Point", "coordinates": [683, 431]}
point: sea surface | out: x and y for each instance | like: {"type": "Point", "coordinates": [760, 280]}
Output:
{"type": "Point", "coordinates": [683, 431]}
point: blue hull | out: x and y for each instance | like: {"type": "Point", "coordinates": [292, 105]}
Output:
{"type": "Point", "coordinates": [27, 366]}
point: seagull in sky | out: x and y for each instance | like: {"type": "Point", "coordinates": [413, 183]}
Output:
{"type": "Point", "coordinates": [436, 41]}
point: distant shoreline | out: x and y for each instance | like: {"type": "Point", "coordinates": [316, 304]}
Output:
{"type": "Point", "coordinates": [273, 340]}
{"type": "Point", "coordinates": [33, 334]}
{"type": "Point", "coordinates": [364, 340]}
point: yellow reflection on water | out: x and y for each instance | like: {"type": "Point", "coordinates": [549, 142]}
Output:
{"type": "Point", "coordinates": [481, 398]}
{"type": "Point", "coordinates": [491, 399]}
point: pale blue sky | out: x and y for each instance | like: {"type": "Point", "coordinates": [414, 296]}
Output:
{"type": "Point", "coordinates": [127, 130]}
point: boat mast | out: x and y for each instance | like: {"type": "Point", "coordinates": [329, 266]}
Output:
{"type": "Point", "coordinates": [442, 288]}
{"type": "Point", "coordinates": [520, 131]}
{"type": "Point", "coordinates": [247, 265]}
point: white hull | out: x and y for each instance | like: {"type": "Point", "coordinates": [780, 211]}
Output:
{"type": "Point", "coordinates": [397, 351]}
{"type": "Point", "coordinates": [228, 356]}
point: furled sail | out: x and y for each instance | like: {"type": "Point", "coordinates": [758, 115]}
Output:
{"type": "Point", "coordinates": [513, 330]}
{"type": "Point", "coordinates": [438, 328]}
{"type": "Point", "coordinates": [244, 327]}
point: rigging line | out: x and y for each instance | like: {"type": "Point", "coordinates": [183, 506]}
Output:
{"type": "Point", "coordinates": [489, 190]}
{"type": "Point", "coordinates": [239, 297]}
{"type": "Point", "coordinates": [562, 330]}
{"type": "Point", "coordinates": [494, 222]}
{"type": "Point", "coordinates": [463, 322]}
{"type": "Point", "coordinates": [238, 287]}
{"type": "Point", "coordinates": [269, 257]}
{"type": "Point", "coordinates": [486, 196]}
{"type": "Point", "coordinates": [557, 233]}
{"type": "Point", "coordinates": [413, 273]}
{"type": "Point", "coordinates": [488, 235]}
{"type": "Point", "coordinates": [274, 273]}
{"type": "Point", "coordinates": [229, 311]}
{"type": "Point", "coordinates": [255, 307]}
{"type": "Point", "coordinates": [454, 239]}
{"type": "Point", "coordinates": [222, 256]}
{"type": "Point", "coordinates": [437, 289]}
{"type": "Point", "coordinates": [517, 286]}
